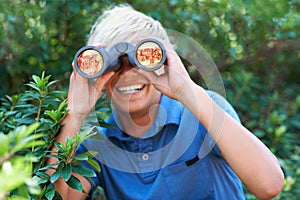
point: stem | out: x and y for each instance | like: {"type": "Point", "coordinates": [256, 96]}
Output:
{"type": "Point", "coordinates": [54, 133]}
{"type": "Point", "coordinates": [38, 117]}
{"type": "Point", "coordinates": [6, 158]}
{"type": "Point", "coordinates": [5, 117]}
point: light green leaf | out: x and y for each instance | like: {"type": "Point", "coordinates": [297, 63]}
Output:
{"type": "Point", "coordinates": [94, 164]}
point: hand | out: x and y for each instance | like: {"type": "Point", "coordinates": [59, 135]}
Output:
{"type": "Point", "coordinates": [83, 95]}
{"type": "Point", "coordinates": [175, 81]}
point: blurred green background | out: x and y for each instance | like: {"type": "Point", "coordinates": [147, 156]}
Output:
{"type": "Point", "coordinates": [255, 44]}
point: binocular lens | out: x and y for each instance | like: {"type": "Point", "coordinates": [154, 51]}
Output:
{"type": "Point", "coordinates": [149, 54]}
{"type": "Point", "coordinates": [90, 62]}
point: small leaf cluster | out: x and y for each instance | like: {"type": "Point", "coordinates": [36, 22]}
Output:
{"type": "Point", "coordinates": [40, 103]}
{"type": "Point", "coordinates": [15, 168]}
{"type": "Point", "coordinates": [66, 165]}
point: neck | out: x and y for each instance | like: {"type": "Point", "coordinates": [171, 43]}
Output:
{"type": "Point", "coordinates": [137, 123]}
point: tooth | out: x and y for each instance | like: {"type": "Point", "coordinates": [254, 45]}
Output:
{"type": "Point", "coordinates": [130, 89]}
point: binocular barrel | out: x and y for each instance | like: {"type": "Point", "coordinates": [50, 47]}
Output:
{"type": "Point", "coordinates": [91, 62]}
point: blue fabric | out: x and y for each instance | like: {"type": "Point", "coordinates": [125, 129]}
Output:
{"type": "Point", "coordinates": [176, 159]}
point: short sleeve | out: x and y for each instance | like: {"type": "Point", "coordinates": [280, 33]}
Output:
{"type": "Point", "coordinates": [224, 104]}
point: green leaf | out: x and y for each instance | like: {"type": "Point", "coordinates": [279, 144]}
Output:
{"type": "Point", "coordinates": [62, 105]}
{"type": "Point", "coordinates": [35, 143]}
{"type": "Point", "coordinates": [94, 164]}
{"type": "Point", "coordinates": [41, 177]}
{"type": "Point", "coordinates": [66, 172]}
{"type": "Point", "coordinates": [85, 156]}
{"type": "Point", "coordinates": [52, 114]}
{"type": "Point", "coordinates": [29, 141]}
{"type": "Point", "coordinates": [81, 157]}
{"type": "Point", "coordinates": [51, 166]}
{"type": "Point", "coordinates": [83, 171]}
{"type": "Point", "coordinates": [60, 146]}
{"type": "Point", "coordinates": [5, 142]}
{"type": "Point", "coordinates": [50, 192]}
{"type": "Point", "coordinates": [36, 78]}
{"type": "Point", "coordinates": [83, 135]}
{"type": "Point", "coordinates": [55, 176]}
{"type": "Point", "coordinates": [30, 129]}
{"type": "Point", "coordinates": [32, 85]}
{"type": "Point", "coordinates": [40, 180]}
{"type": "Point", "coordinates": [75, 183]}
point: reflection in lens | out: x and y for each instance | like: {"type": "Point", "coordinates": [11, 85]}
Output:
{"type": "Point", "coordinates": [149, 54]}
{"type": "Point", "coordinates": [90, 62]}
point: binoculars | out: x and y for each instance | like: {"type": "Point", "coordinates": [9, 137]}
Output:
{"type": "Point", "coordinates": [91, 62]}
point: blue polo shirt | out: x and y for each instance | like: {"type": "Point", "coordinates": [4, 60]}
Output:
{"type": "Point", "coordinates": [175, 159]}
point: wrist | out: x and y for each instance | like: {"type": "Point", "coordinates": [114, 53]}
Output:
{"type": "Point", "coordinates": [74, 121]}
{"type": "Point", "coordinates": [189, 92]}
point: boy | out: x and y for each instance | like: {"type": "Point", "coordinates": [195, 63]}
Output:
{"type": "Point", "coordinates": [161, 123]}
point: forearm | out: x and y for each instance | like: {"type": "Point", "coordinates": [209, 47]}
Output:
{"type": "Point", "coordinates": [245, 153]}
{"type": "Point", "coordinates": [70, 127]}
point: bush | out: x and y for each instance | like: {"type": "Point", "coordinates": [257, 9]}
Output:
{"type": "Point", "coordinates": [29, 124]}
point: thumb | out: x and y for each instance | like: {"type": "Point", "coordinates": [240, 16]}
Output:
{"type": "Point", "coordinates": [161, 83]}
{"type": "Point", "coordinates": [102, 80]}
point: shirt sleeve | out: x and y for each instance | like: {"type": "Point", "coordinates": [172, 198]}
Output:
{"type": "Point", "coordinates": [223, 103]}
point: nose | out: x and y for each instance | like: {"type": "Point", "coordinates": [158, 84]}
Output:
{"type": "Point", "coordinates": [125, 64]}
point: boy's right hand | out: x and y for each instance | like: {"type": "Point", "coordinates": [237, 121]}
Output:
{"type": "Point", "coordinates": [83, 94]}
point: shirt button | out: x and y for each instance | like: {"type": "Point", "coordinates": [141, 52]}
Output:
{"type": "Point", "coordinates": [145, 156]}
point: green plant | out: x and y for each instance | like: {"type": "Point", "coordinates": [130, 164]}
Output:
{"type": "Point", "coordinates": [67, 164]}
{"type": "Point", "coordinates": [274, 120]}
{"type": "Point", "coordinates": [15, 167]}
{"type": "Point", "coordinates": [29, 124]}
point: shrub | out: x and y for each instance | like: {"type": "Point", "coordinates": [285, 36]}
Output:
{"type": "Point", "coordinates": [29, 124]}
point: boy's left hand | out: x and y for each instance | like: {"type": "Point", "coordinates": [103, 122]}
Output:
{"type": "Point", "coordinates": [175, 82]}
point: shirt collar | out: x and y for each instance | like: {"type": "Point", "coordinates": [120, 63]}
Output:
{"type": "Point", "coordinates": [169, 112]}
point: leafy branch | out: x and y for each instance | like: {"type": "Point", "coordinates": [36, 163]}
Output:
{"type": "Point", "coordinates": [30, 122]}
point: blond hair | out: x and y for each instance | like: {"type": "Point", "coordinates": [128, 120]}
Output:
{"type": "Point", "coordinates": [124, 24]}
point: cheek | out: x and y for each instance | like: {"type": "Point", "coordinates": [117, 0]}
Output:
{"type": "Point", "coordinates": [109, 87]}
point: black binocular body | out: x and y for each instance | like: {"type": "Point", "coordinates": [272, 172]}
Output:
{"type": "Point", "coordinates": [91, 62]}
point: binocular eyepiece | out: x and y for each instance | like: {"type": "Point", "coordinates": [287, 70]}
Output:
{"type": "Point", "coordinates": [91, 62]}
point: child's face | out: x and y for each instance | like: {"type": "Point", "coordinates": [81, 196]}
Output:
{"type": "Point", "coordinates": [130, 91]}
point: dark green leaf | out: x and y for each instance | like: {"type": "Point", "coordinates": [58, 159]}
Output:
{"type": "Point", "coordinates": [83, 171]}
{"type": "Point", "coordinates": [50, 194]}
{"type": "Point", "coordinates": [55, 176]}
{"type": "Point", "coordinates": [81, 157]}
{"type": "Point", "coordinates": [75, 183]}
{"type": "Point", "coordinates": [66, 172]}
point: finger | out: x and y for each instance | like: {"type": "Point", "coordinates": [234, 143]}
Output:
{"type": "Point", "coordinates": [99, 45]}
{"type": "Point", "coordinates": [151, 76]}
{"type": "Point", "coordinates": [77, 77]}
{"type": "Point", "coordinates": [102, 80]}
{"type": "Point", "coordinates": [161, 83]}
{"type": "Point", "coordinates": [71, 83]}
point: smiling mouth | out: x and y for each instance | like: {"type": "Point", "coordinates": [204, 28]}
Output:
{"type": "Point", "coordinates": [131, 89]}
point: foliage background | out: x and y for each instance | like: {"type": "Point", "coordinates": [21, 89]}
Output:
{"type": "Point", "coordinates": [255, 44]}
